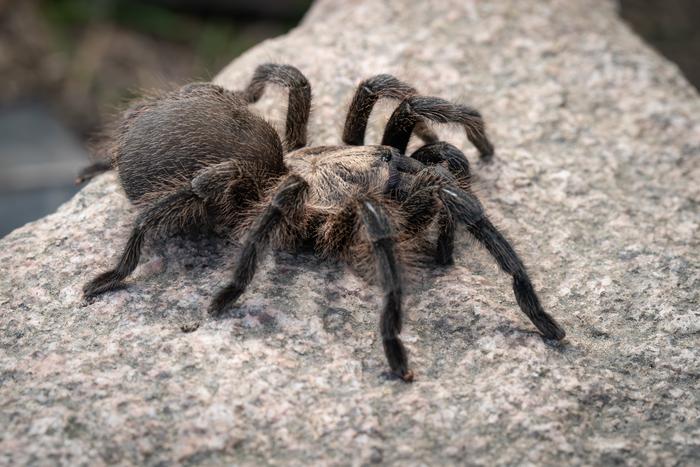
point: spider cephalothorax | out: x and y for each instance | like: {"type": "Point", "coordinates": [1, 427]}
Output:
{"type": "Point", "coordinates": [199, 155]}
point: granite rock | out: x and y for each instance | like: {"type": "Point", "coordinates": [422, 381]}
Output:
{"type": "Point", "coordinates": [595, 181]}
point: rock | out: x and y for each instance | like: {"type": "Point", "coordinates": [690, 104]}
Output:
{"type": "Point", "coordinates": [595, 181]}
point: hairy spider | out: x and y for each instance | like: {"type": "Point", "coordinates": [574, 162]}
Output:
{"type": "Point", "coordinates": [199, 155]}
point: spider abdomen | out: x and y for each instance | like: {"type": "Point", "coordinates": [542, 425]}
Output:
{"type": "Point", "coordinates": [166, 141]}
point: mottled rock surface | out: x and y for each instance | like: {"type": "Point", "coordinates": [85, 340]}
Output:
{"type": "Point", "coordinates": [596, 182]}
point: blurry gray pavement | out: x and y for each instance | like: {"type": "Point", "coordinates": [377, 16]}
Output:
{"type": "Point", "coordinates": [39, 159]}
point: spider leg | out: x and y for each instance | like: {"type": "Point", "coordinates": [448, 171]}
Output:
{"type": "Point", "coordinates": [444, 253]}
{"type": "Point", "coordinates": [458, 165]}
{"type": "Point", "coordinates": [467, 209]}
{"type": "Point", "coordinates": [338, 233]}
{"type": "Point", "coordinates": [368, 93]}
{"type": "Point", "coordinates": [414, 109]}
{"type": "Point", "coordinates": [299, 106]}
{"type": "Point", "coordinates": [429, 194]}
{"type": "Point", "coordinates": [185, 206]}
{"type": "Point", "coordinates": [164, 212]}
{"type": "Point", "coordinates": [419, 203]}
{"type": "Point", "coordinates": [420, 206]}
{"type": "Point", "coordinates": [379, 231]}
{"type": "Point", "coordinates": [286, 202]}
{"type": "Point", "coordinates": [442, 152]}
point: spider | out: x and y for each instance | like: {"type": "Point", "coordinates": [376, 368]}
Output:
{"type": "Point", "coordinates": [199, 155]}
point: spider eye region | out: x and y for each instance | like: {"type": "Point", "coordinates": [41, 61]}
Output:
{"type": "Point", "coordinates": [388, 153]}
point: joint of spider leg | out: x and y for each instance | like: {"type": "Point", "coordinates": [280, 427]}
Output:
{"type": "Point", "coordinates": [468, 205]}
{"type": "Point", "coordinates": [288, 192]}
{"type": "Point", "coordinates": [198, 185]}
{"type": "Point", "coordinates": [375, 223]}
{"type": "Point", "coordinates": [451, 193]}
{"type": "Point", "coordinates": [406, 164]}
{"type": "Point", "coordinates": [456, 160]}
{"type": "Point", "coordinates": [303, 86]}
{"type": "Point", "coordinates": [378, 81]}
{"type": "Point", "coordinates": [368, 90]}
{"type": "Point", "coordinates": [287, 202]}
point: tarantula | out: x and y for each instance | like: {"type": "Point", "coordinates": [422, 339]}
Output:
{"type": "Point", "coordinates": [199, 155]}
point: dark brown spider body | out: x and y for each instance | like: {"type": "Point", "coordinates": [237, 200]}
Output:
{"type": "Point", "coordinates": [165, 141]}
{"type": "Point", "coordinates": [201, 151]}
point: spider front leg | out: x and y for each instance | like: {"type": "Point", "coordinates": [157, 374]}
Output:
{"type": "Point", "coordinates": [463, 207]}
{"type": "Point", "coordinates": [458, 165]}
{"type": "Point", "coordinates": [368, 93]}
{"type": "Point", "coordinates": [408, 183]}
{"type": "Point", "coordinates": [442, 152]}
{"type": "Point", "coordinates": [416, 108]}
{"type": "Point", "coordinates": [467, 209]}
{"type": "Point", "coordinates": [420, 208]}
{"type": "Point", "coordinates": [338, 233]}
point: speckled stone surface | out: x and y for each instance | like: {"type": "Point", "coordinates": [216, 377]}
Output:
{"type": "Point", "coordinates": [595, 181]}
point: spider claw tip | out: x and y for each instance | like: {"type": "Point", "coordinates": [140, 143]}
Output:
{"type": "Point", "coordinates": [407, 376]}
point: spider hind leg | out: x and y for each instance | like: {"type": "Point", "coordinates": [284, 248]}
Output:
{"type": "Point", "coordinates": [217, 185]}
{"type": "Point", "coordinates": [299, 106]}
{"type": "Point", "coordinates": [162, 214]}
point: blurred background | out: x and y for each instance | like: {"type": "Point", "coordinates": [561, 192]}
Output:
{"type": "Point", "coordinates": [67, 66]}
